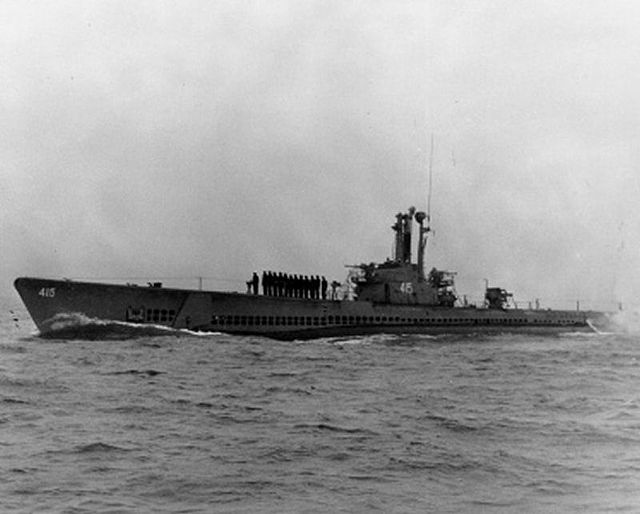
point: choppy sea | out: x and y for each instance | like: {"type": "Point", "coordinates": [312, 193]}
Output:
{"type": "Point", "coordinates": [156, 422]}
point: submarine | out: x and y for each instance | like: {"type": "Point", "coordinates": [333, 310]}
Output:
{"type": "Point", "coordinates": [395, 296]}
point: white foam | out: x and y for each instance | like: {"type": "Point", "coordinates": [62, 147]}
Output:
{"type": "Point", "coordinates": [626, 321]}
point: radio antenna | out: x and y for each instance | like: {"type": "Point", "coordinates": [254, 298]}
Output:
{"type": "Point", "coordinates": [430, 183]}
{"type": "Point", "coordinates": [421, 217]}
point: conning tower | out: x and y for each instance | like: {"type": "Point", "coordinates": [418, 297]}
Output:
{"type": "Point", "coordinates": [400, 281]}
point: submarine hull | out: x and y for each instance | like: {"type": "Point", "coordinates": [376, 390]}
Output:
{"type": "Point", "coordinates": [51, 302]}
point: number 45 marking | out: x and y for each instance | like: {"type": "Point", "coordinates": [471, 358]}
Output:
{"type": "Point", "coordinates": [47, 292]}
{"type": "Point", "coordinates": [406, 287]}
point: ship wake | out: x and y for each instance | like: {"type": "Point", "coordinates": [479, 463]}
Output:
{"type": "Point", "coordinates": [79, 326]}
{"type": "Point", "coordinates": [626, 322]}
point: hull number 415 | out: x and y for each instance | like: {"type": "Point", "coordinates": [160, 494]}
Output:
{"type": "Point", "coordinates": [47, 292]}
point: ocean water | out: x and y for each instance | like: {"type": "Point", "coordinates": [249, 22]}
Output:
{"type": "Point", "coordinates": [157, 421]}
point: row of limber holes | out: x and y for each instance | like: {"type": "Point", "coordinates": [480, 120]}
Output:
{"type": "Point", "coordinates": [370, 320]}
{"type": "Point", "coordinates": [162, 315]}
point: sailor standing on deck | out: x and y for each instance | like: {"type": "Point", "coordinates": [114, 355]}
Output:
{"type": "Point", "coordinates": [280, 284]}
{"type": "Point", "coordinates": [271, 276]}
{"type": "Point", "coordinates": [287, 285]}
{"type": "Point", "coordinates": [334, 289]}
{"type": "Point", "coordinates": [305, 286]}
{"type": "Point", "coordinates": [255, 283]}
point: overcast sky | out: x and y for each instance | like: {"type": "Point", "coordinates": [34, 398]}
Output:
{"type": "Point", "coordinates": [215, 138]}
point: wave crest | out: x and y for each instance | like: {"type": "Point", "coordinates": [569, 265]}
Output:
{"type": "Point", "coordinates": [624, 321]}
{"type": "Point", "coordinates": [76, 325]}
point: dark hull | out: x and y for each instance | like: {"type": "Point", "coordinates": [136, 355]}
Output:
{"type": "Point", "coordinates": [48, 301]}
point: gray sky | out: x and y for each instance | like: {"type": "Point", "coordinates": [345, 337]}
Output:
{"type": "Point", "coordinates": [186, 138]}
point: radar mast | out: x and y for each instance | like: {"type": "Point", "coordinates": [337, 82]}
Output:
{"type": "Point", "coordinates": [421, 217]}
